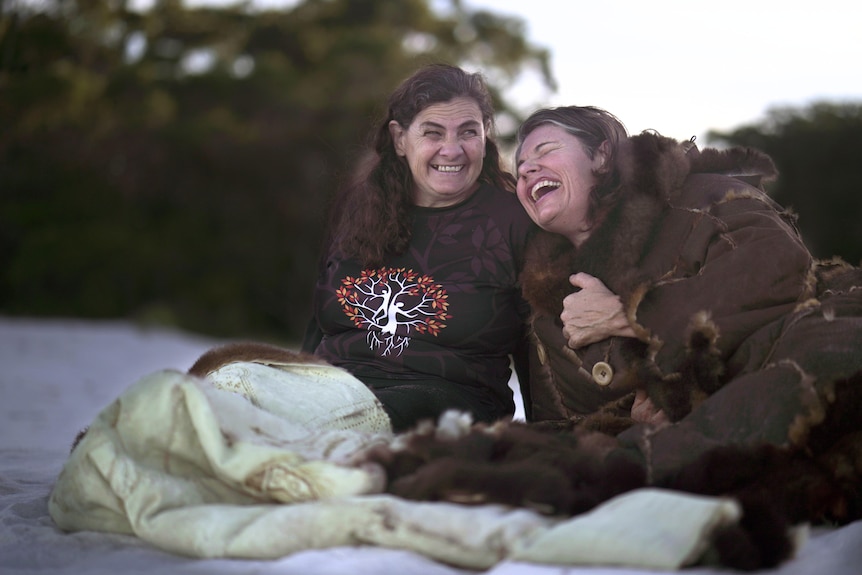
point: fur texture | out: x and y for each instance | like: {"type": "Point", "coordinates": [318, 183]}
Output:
{"type": "Point", "coordinates": [248, 352]}
{"type": "Point", "coordinates": [558, 473]}
{"type": "Point", "coordinates": [565, 470]}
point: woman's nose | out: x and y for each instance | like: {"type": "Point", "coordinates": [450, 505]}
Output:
{"type": "Point", "coordinates": [526, 168]}
{"type": "Point", "coordinates": [451, 147]}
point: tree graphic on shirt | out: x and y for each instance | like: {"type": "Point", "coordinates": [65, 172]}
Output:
{"type": "Point", "coordinates": [392, 304]}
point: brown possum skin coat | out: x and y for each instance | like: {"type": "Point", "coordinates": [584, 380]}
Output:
{"type": "Point", "coordinates": [742, 338]}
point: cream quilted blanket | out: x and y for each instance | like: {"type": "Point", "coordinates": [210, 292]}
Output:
{"type": "Point", "coordinates": [260, 461]}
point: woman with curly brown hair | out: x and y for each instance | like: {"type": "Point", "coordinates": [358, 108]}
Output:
{"type": "Point", "coordinates": [418, 294]}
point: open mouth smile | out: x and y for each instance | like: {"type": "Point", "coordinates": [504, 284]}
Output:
{"type": "Point", "coordinates": [543, 187]}
{"type": "Point", "coordinates": [448, 169]}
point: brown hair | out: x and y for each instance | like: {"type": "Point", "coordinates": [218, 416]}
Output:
{"type": "Point", "coordinates": [371, 215]}
{"type": "Point", "coordinates": [592, 126]}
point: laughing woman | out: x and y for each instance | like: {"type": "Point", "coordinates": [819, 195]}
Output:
{"type": "Point", "coordinates": [418, 294]}
{"type": "Point", "coordinates": [675, 305]}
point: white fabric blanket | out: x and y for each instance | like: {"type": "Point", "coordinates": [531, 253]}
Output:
{"type": "Point", "coordinates": [261, 461]}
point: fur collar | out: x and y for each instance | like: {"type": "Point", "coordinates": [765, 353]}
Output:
{"type": "Point", "coordinates": [653, 170]}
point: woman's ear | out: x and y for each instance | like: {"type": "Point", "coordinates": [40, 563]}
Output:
{"type": "Point", "coordinates": [601, 157]}
{"type": "Point", "coordinates": [397, 133]}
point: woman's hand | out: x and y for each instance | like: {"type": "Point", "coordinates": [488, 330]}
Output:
{"type": "Point", "coordinates": [593, 313]}
{"type": "Point", "coordinates": [645, 411]}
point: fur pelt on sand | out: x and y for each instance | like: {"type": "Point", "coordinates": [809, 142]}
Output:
{"type": "Point", "coordinates": [567, 471]}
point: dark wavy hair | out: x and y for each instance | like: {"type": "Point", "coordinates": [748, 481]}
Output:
{"type": "Point", "coordinates": [592, 126]}
{"type": "Point", "coordinates": [370, 216]}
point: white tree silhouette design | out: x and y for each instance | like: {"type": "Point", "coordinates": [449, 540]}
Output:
{"type": "Point", "coordinates": [392, 303]}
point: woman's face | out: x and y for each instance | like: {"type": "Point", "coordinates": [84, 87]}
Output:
{"type": "Point", "coordinates": [555, 177]}
{"type": "Point", "coordinates": [445, 148]}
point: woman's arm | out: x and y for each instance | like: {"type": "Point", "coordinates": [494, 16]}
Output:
{"type": "Point", "coordinates": [592, 313]}
{"type": "Point", "coordinates": [742, 265]}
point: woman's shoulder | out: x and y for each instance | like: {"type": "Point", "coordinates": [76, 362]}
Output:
{"type": "Point", "coordinates": [704, 191]}
{"type": "Point", "coordinates": [496, 191]}
{"type": "Point", "coordinates": [504, 207]}
{"type": "Point", "coordinates": [691, 177]}
{"type": "Point", "coordinates": [719, 175]}
{"type": "Point", "coordinates": [491, 195]}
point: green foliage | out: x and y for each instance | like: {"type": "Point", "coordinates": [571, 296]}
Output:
{"type": "Point", "coordinates": [175, 165]}
{"type": "Point", "coordinates": [818, 152]}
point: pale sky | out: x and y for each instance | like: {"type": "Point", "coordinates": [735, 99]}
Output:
{"type": "Point", "coordinates": [683, 67]}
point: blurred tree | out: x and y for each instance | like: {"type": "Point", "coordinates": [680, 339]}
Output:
{"type": "Point", "coordinates": [174, 164]}
{"type": "Point", "coordinates": [818, 152]}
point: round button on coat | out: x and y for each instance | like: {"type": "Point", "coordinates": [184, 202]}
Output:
{"type": "Point", "coordinates": [603, 373]}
